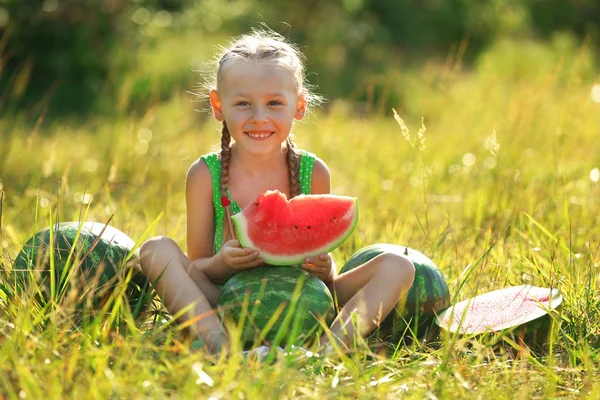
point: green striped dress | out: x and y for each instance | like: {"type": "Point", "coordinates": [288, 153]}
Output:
{"type": "Point", "coordinates": [307, 161]}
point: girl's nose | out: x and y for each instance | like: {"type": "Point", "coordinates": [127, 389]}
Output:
{"type": "Point", "coordinates": [259, 115]}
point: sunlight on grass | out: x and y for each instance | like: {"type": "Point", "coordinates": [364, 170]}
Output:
{"type": "Point", "coordinates": [492, 173]}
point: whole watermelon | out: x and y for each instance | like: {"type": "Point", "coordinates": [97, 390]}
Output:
{"type": "Point", "coordinates": [287, 297]}
{"type": "Point", "coordinates": [427, 297]}
{"type": "Point", "coordinates": [97, 264]}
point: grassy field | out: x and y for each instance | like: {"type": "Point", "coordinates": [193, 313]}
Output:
{"type": "Point", "coordinates": [501, 189]}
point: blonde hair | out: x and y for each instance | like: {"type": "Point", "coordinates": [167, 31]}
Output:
{"type": "Point", "coordinates": [264, 45]}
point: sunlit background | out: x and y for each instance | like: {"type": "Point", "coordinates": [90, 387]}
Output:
{"type": "Point", "coordinates": [113, 56]}
{"type": "Point", "coordinates": [468, 129]}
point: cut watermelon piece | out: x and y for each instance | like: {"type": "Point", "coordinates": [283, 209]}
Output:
{"type": "Point", "coordinates": [524, 309]}
{"type": "Point", "coordinates": [285, 232]}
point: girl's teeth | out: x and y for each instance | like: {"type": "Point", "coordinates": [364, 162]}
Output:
{"type": "Point", "coordinates": [262, 135]}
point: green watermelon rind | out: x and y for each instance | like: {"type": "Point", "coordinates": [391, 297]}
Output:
{"type": "Point", "coordinates": [531, 318]}
{"type": "Point", "coordinates": [114, 250]}
{"type": "Point", "coordinates": [414, 312]}
{"type": "Point", "coordinates": [241, 229]}
{"type": "Point", "coordinates": [315, 298]}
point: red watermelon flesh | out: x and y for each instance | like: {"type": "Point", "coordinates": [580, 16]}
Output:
{"type": "Point", "coordinates": [285, 232]}
{"type": "Point", "coordinates": [499, 310]}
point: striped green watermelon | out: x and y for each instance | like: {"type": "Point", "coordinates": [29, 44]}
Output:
{"type": "Point", "coordinates": [428, 296]}
{"type": "Point", "coordinates": [285, 232]}
{"type": "Point", "coordinates": [525, 314]}
{"type": "Point", "coordinates": [286, 297]}
{"type": "Point", "coordinates": [97, 262]}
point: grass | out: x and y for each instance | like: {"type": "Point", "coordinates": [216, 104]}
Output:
{"type": "Point", "coordinates": [499, 190]}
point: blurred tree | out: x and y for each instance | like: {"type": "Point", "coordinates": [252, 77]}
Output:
{"type": "Point", "coordinates": [72, 51]}
{"type": "Point", "coordinates": [62, 49]}
{"type": "Point", "coordinates": [579, 16]}
{"type": "Point", "coordinates": [354, 45]}
{"type": "Point", "coordinates": [66, 44]}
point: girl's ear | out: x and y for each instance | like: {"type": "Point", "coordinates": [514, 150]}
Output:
{"type": "Point", "coordinates": [301, 105]}
{"type": "Point", "coordinates": [215, 103]}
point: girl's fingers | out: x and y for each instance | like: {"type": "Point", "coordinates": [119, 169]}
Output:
{"type": "Point", "coordinates": [317, 263]}
{"type": "Point", "coordinates": [241, 253]}
{"type": "Point", "coordinates": [246, 258]}
{"type": "Point", "coordinates": [317, 272]}
{"type": "Point", "coordinates": [311, 261]}
{"type": "Point", "coordinates": [312, 268]}
{"type": "Point", "coordinates": [255, 263]}
{"type": "Point", "coordinates": [233, 243]}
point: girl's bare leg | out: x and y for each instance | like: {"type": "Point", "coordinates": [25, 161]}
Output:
{"type": "Point", "coordinates": [371, 292]}
{"type": "Point", "coordinates": [182, 285]}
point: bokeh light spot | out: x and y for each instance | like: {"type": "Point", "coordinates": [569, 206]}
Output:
{"type": "Point", "coordinates": [84, 198]}
{"type": "Point", "coordinates": [490, 162]}
{"type": "Point", "coordinates": [469, 160]}
{"type": "Point", "coordinates": [163, 19]}
{"type": "Point", "coordinates": [144, 135]}
{"type": "Point", "coordinates": [595, 175]}
{"type": "Point", "coordinates": [50, 5]}
{"type": "Point", "coordinates": [387, 185]}
{"type": "Point", "coordinates": [141, 16]}
{"type": "Point", "coordinates": [596, 93]}
{"type": "Point", "coordinates": [91, 165]}
{"type": "Point", "coordinates": [44, 202]}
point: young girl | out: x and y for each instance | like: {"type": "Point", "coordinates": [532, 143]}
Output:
{"type": "Point", "coordinates": [259, 90]}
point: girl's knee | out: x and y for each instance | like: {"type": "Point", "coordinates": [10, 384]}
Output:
{"type": "Point", "coordinates": [153, 248]}
{"type": "Point", "coordinates": [398, 268]}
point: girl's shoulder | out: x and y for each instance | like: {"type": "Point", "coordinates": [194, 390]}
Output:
{"type": "Point", "coordinates": [208, 163]}
{"type": "Point", "coordinates": [312, 158]}
{"type": "Point", "coordinates": [201, 169]}
{"type": "Point", "coordinates": [210, 158]}
{"type": "Point", "coordinates": [320, 176]}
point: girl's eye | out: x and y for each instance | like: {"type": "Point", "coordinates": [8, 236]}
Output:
{"type": "Point", "coordinates": [242, 103]}
{"type": "Point", "coordinates": [275, 103]}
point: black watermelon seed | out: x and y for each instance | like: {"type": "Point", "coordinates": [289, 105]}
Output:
{"type": "Point", "coordinates": [295, 226]}
{"type": "Point", "coordinates": [308, 226]}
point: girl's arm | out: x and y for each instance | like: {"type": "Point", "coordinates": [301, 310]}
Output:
{"type": "Point", "coordinates": [200, 224]}
{"type": "Point", "coordinates": [321, 178]}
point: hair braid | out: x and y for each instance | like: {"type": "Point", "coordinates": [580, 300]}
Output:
{"type": "Point", "coordinates": [293, 167]}
{"type": "Point", "coordinates": [225, 158]}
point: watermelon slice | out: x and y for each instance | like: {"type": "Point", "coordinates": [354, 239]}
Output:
{"type": "Point", "coordinates": [285, 232]}
{"type": "Point", "coordinates": [522, 309]}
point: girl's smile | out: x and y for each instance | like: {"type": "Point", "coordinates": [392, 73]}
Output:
{"type": "Point", "coordinates": [260, 135]}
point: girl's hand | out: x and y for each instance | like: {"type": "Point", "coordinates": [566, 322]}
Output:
{"type": "Point", "coordinates": [321, 267]}
{"type": "Point", "coordinates": [239, 258]}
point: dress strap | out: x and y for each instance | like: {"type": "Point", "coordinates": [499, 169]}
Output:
{"type": "Point", "coordinates": [214, 165]}
{"type": "Point", "coordinates": [307, 162]}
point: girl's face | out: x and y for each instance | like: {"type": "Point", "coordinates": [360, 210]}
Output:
{"type": "Point", "coordinates": [259, 102]}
